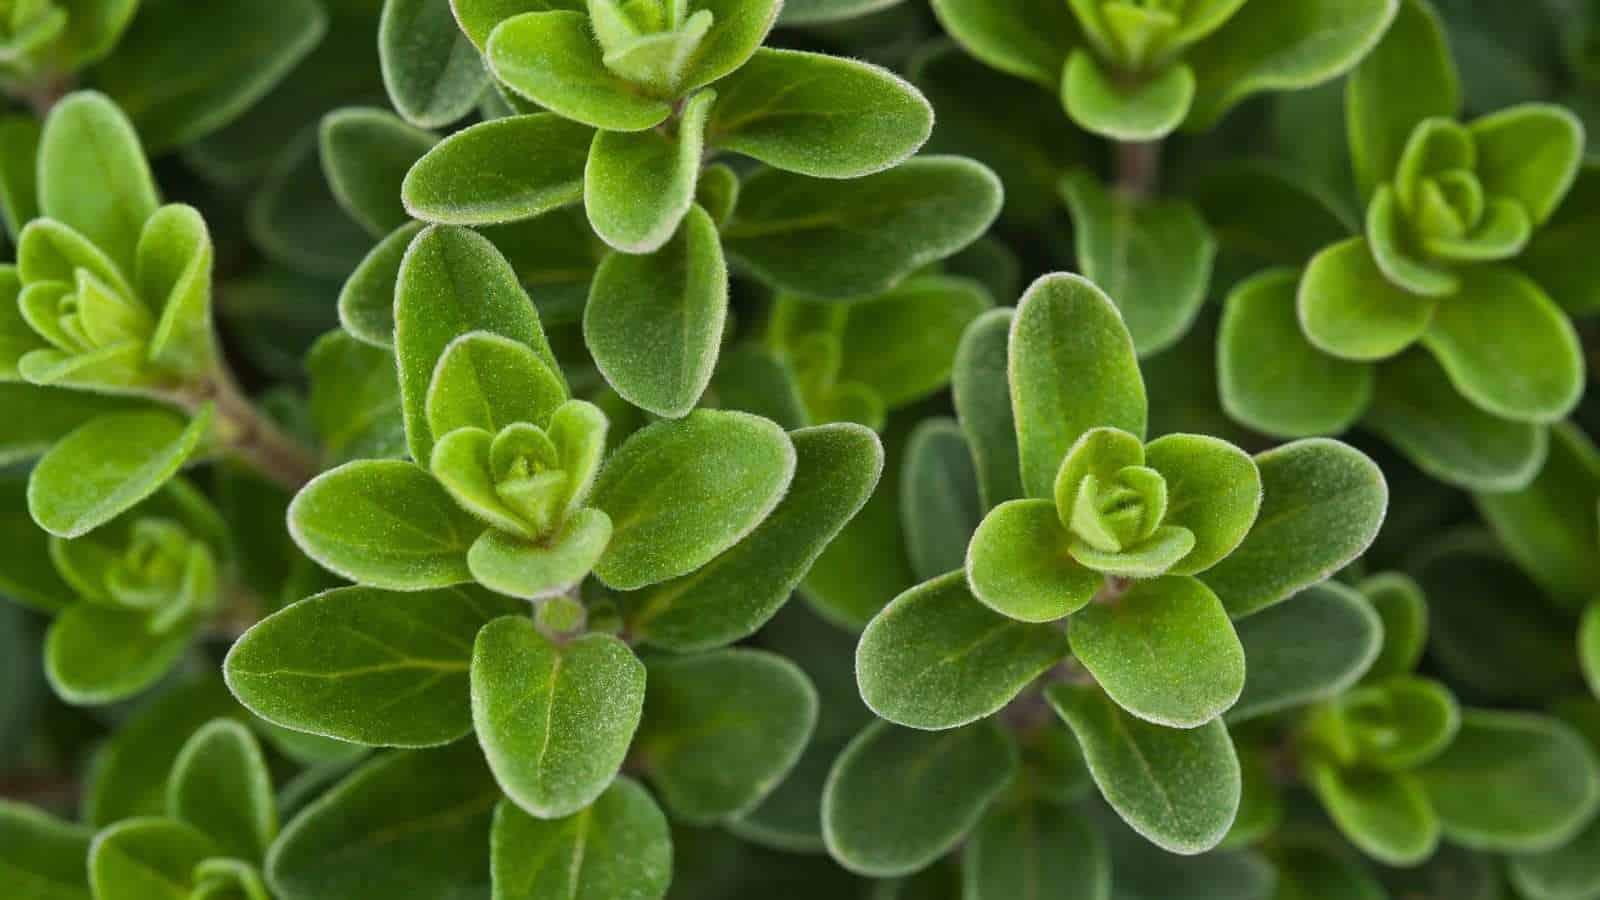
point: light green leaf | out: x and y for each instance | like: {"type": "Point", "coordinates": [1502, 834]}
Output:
{"type": "Point", "coordinates": [1179, 789]}
{"type": "Point", "coordinates": [736, 593]}
{"type": "Point", "coordinates": [1030, 845]}
{"type": "Point", "coordinates": [432, 73]}
{"type": "Point", "coordinates": [355, 399]}
{"type": "Point", "coordinates": [738, 29]}
{"type": "Point", "coordinates": [412, 823]}
{"type": "Point", "coordinates": [366, 666]}
{"type": "Point", "coordinates": [936, 658]}
{"type": "Point", "coordinates": [479, 17]}
{"type": "Point", "coordinates": [41, 857]}
{"type": "Point", "coordinates": [654, 323]}
{"type": "Point", "coordinates": [1308, 649]}
{"type": "Point", "coordinates": [1350, 309]}
{"type": "Point", "coordinates": [366, 154]}
{"type": "Point", "coordinates": [638, 186]}
{"type": "Point", "coordinates": [1400, 604]}
{"type": "Point", "coordinates": [619, 848]}
{"type": "Point", "coordinates": [1213, 491]}
{"type": "Point", "coordinates": [41, 416]}
{"type": "Point", "coordinates": [1323, 503]}
{"type": "Point", "coordinates": [19, 172]}
{"type": "Point", "coordinates": [1385, 814]}
{"type": "Point", "coordinates": [451, 282]}
{"type": "Point", "coordinates": [144, 858]}
{"type": "Point", "coordinates": [184, 71]}
{"type": "Point", "coordinates": [1027, 38]}
{"type": "Point", "coordinates": [1164, 650]}
{"type": "Point", "coordinates": [487, 381]}
{"type": "Point", "coordinates": [553, 59]}
{"type": "Point", "coordinates": [520, 568]}
{"type": "Point", "coordinates": [98, 654]}
{"type": "Point", "coordinates": [898, 799]}
{"type": "Point", "coordinates": [1407, 78]}
{"type": "Point", "coordinates": [900, 343]}
{"type": "Point", "coordinates": [108, 465]}
{"type": "Point", "coordinates": [1146, 109]}
{"type": "Point", "coordinates": [722, 729]}
{"type": "Point", "coordinates": [384, 523]}
{"type": "Point", "coordinates": [1018, 566]}
{"type": "Point", "coordinates": [1072, 368]}
{"type": "Point", "coordinates": [501, 171]}
{"type": "Point", "coordinates": [732, 468]}
{"type": "Point", "coordinates": [1507, 347]}
{"type": "Point", "coordinates": [220, 785]}
{"type": "Point", "coordinates": [555, 720]}
{"type": "Point", "coordinates": [836, 239]}
{"type": "Point", "coordinates": [173, 270]}
{"type": "Point", "coordinates": [939, 502]}
{"type": "Point", "coordinates": [982, 394]}
{"type": "Point", "coordinates": [88, 140]}
{"type": "Point", "coordinates": [819, 115]}
{"type": "Point", "coordinates": [1530, 154]}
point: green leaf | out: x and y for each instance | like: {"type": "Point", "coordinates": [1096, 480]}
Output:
{"type": "Point", "coordinates": [1072, 368]}
{"type": "Point", "coordinates": [1270, 213]}
{"type": "Point", "coordinates": [479, 17]}
{"type": "Point", "coordinates": [173, 273]}
{"type": "Point", "coordinates": [28, 578]}
{"type": "Point", "coordinates": [1530, 154]}
{"type": "Point", "coordinates": [836, 239]}
{"type": "Point", "coordinates": [384, 523]}
{"type": "Point", "coordinates": [1385, 814]}
{"type": "Point", "coordinates": [900, 343]}
{"type": "Point", "coordinates": [1407, 78]}
{"type": "Point", "coordinates": [577, 702]}
{"type": "Point", "coordinates": [42, 416]}
{"type": "Point", "coordinates": [183, 71]}
{"type": "Point", "coordinates": [130, 773]}
{"type": "Point", "coordinates": [619, 848]}
{"type": "Point", "coordinates": [473, 177]}
{"type": "Point", "coordinates": [1422, 414]}
{"type": "Point", "coordinates": [1027, 38]}
{"type": "Point", "coordinates": [819, 115]}
{"type": "Point", "coordinates": [732, 468]}
{"type": "Point", "coordinates": [1213, 491]}
{"type": "Point", "coordinates": [1323, 503]}
{"type": "Point", "coordinates": [553, 59]}
{"type": "Point", "coordinates": [519, 568]}
{"type": "Point", "coordinates": [1589, 646]}
{"type": "Point", "coordinates": [982, 394]}
{"type": "Point", "coordinates": [1307, 870]}
{"type": "Point", "coordinates": [1513, 782]}
{"type": "Point", "coordinates": [355, 399]}
{"type": "Point", "coordinates": [295, 220]}
{"type": "Point", "coordinates": [487, 381]}
{"type": "Point", "coordinates": [939, 502]}
{"type": "Point", "coordinates": [736, 593]}
{"type": "Point", "coordinates": [1400, 604]}
{"type": "Point", "coordinates": [1179, 789]}
{"type": "Point", "coordinates": [654, 323]}
{"type": "Point", "coordinates": [366, 666]}
{"type": "Point", "coordinates": [1550, 527]}
{"type": "Point", "coordinates": [220, 785]}
{"type": "Point", "coordinates": [1394, 725]}
{"type": "Point", "coordinates": [106, 466]}
{"type": "Point", "coordinates": [1146, 109]}
{"type": "Point", "coordinates": [1164, 651]}
{"type": "Point", "coordinates": [1282, 47]}
{"type": "Point", "coordinates": [366, 302]}
{"type": "Point", "coordinates": [408, 823]}
{"type": "Point", "coordinates": [1565, 873]}
{"type": "Point", "coordinates": [1018, 566]}
{"type": "Point", "coordinates": [19, 172]}
{"type": "Point", "coordinates": [898, 799]}
{"type": "Point", "coordinates": [1026, 846]}
{"type": "Point", "coordinates": [936, 658]}
{"type": "Point", "coordinates": [638, 186]}
{"type": "Point", "coordinates": [1152, 257]}
{"type": "Point", "coordinates": [1311, 648]}
{"type": "Point", "coordinates": [88, 140]}
{"type": "Point", "coordinates": [1141, 870]}
{"type": "Point", "coordinates": [451, 282]}
{"type": "Point", "coordinates": [432, 73]}
{"type": "Point", "coordinates": [722, 729]}
{"type": "Point", "coordinates": [98, 654]}
{"type": "Point", "coordinates": [1507, 347]}
{"type": "Point", "coordinates": [1299, 391]}
{"type": "Point", "coordinates": [41, 857]}
{"type": "Point", "coordinates": [145, 857]}
{"type": "Point", "coordinates": [366, 154]}
{"type": "Point", "coordinates": [1350, 309]}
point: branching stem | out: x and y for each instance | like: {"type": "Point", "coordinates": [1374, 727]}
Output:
{"type": "Point", "coordinates": [245, 431]}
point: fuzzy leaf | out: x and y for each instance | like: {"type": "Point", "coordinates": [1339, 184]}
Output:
{"type": "Point", "coordinates": [577, 702]}
{"type": "Point", "coordinates": [1350, 309]}
{"type": "Point", "coordinates": [97, 654]}
{"type": "Point", "coordinates": [147, 857]}
{"type": "Point", "coordinates": [936, 658]}
{"type": "Point", "coordinates": [487, 381]}
{"type": "Point", "coordinates": [479, 17]}
{"type": "Point", "coordinates": [1530, 154]}
{"type": "Point", "coordinates": [355, 399]}
{"type": "Point", "coordinates": [366, 666]}
{"type": "Point", "coordinates": [1017, 564]}
{"type": "Point", "coordinates": [1313, 647]}
{"type": "Point", "coordinates": [1146, 109]}
{"type": "Point", "coordinates": [1027, 38]}
{"type": "Point", "coordinates": [898, 799]}
{"type": "Point", "coordinates": [938, 498]}
{"type": "Point", "coordinates": [519, 568]}
{"type": "Point", "coordinates": [1213, 491]}
{"type": "Point", "coordinates": [639, 185]}
{"type": "Point", "coordinates": [220, 785]}
{"type": "Point", "coordinates": [1028, 845]}
{"type": "Point", "coordinates": [1407, 78]}
{"type": "Point", "coordinates": [619, 848]}
{"type": "Point", "coordinates": [1385, 814]}
{"type": "Point", "coordinates": [553, 59]}
{"type": "Point", "coordinates": [88, 140]}
{"type": "Point", "coordinates": [366, 154]}
{"type": "Point", "coordinates": [982, 394]}
{"type": "Point", "coordinates": [431, 71]}
{"type": "Point", "coordinates": [501, 171]}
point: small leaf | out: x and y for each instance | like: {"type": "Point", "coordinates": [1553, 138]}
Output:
{"type": "Point", "coordinates": [173, 271]}
{"type": "Point", "coordinates": [1213, 491]}
{"type": "Point", "coordinates": [384, 523]}
{"type": "Point", "coordinates": [654, 323]}
{"type": "Point", "coordinates": [982, 395]}
{"type": "Point", "coordinates": [1407, 78]}
{"type": "Point", "coordinates": [355, 399]}
{"type": "Point", "coordinates": [1513, 783]}
{"type": "Point", "coordinates": [938, 498]}
{"type": "Point", "coordinates": [577, 702]}
{"type": "Point", "coordinates": [1018, 566]}
{"type": "Point", "coordinates": [487, 381]}
{"type": "Point", "coordinates": [1072, 368]}
{"type": "Point", "coordinates": [432, 72]}
{"type": "Point", "coordinates": [731, 468]}
{"type": "Point", "coordinates": [145, 857]}
{"type": "Point", "coordinates": [1349, 308]}
{"type": "Point", "coordinates": [43, 857]}
{"type": "Point", "coordinates": [42, 416]}
{"type": "Point", "coordinates": [88, 140]}
{"type": "Point", "coordinates": [620, 848]}
{"type": "Point", "coordinates": [1027, 38]}
{"type": "Point", "coordinates": [553, 59]}
{"type": "Point", "coordinates": [1301, 391]}
{"type": "Point", "coordinates": [519, 568]}
{"type": "Point", "coordinates": [1179, 789]}
{"type": "Point", "coordinates": [1564, 873]}
{"type": "Point", "coordinates": [898, 799]}
{"type": "Point", "coordinates": [1529, 153]}
{"type": "Point", "coordinates": [736, 593]}
{"type": "Point", "coordinates": [407, 823]}
{"type": "Point", "coordinates": [96, 654]}
{"type": "Point", "coordinates": [1308, 649]}
{"type": "Point", "coordinates": [506, 170]}
{"type": "Point", "coordinates": [108, 465]}
{"type": "Point", "coordinates": [1386, 814]}
{"type": "Point", "coordinates": [819, 115]}
{"type": "Point", "coordinates": [1130, 111]}
{"type": "Point", "coordinates": [1164, 651]}
{"type": "Point", "coordinates": [220, 785]}
{"type": "Point", "coordinates": [19, 172]}
{"type": "Point", "coordinates": [936, 658]}
{"type": "Point", "coordinates": [366, 666]}
{"type": "Point", "coordinates": [859, 236]}
{"type": "Point", "coordinates": [1028, 845]}
{"type": "Point", "coordinates": [722, 729]}
{"type": "Point", "coordinates": [1550, 527]}
{"type": "Point", "coordinates": [1323, 503]}
{"type": "Point", "coordinates": [638, 186]}
{"type": "Point", "coordinates": [366, 154]}
{"type": "Point", "coordinates": [479, 17]}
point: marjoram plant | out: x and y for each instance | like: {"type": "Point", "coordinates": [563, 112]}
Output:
{"type": "Point", "coordinates": [842, 449]}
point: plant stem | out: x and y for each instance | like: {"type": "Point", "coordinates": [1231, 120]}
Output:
{"type": "Point", "coordinates": [1138, 168]}
{"type": "Point", "coordinates": [245, 431]}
